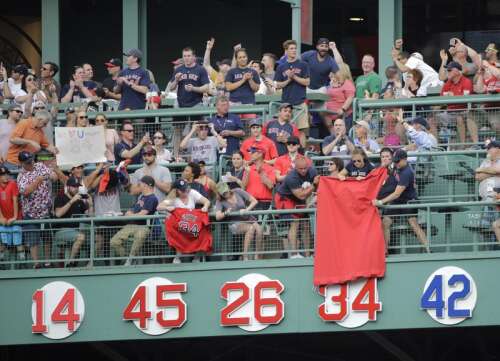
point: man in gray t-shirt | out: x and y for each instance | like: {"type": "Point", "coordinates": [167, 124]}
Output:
{"type": "Point", "coordinates": [203, 147]}
{"type": "Point", "coordinates": [161, 175]}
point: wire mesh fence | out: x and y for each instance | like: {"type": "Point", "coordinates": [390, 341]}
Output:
{"type": "Point", "coordinates": [123, 241]}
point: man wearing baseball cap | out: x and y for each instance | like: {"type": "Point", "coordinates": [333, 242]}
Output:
{"type": "Point", "coordinates": [280, 129]}
{"type": "Point", "coordinates": [321, 64]}
{"type": "Point", "coordinates": [7, 126]}
{"type": "Point", "coordinates": [71, 204]}
{"type": "Point", "coordinates": [259, 177]}
{"type": "Point", "coordinates": [132, 82]}
{"type": "Point", "coordinates": [362, 138]}
{"type": "Point", "coordinates": [137, 230]}
{"type": "Point", "coordinates": [10, 234]}
{"type": "Point", "coordinates": [113, 66]}
{"type": "Point", "coordinates": [35, 187]}
{"type": "Point", "coordinates": [258, 139]}
{"type": "Point", "coordinates": [459, 85]}
{"type": "Point", "coordinates": [404, 192]}
{"type": "Point", "coordinates": [417, 132]}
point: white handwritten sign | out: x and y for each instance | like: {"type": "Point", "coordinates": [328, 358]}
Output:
{"type": "Point", "coordinates": [80, 145]}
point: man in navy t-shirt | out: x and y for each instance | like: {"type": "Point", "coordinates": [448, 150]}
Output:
{"type": "Point", "coordinates": [133, 82]}
{"type": "Point", "coordinates": [280, 129]}
{"type": "Point", "coordinates": [293, 77]}
{"type": "Point", "coordinates": [190, 79]}
{"type": "Point", "coordinates": [405, 191]}
{"type": "Point", "coordinates": [146, 205]}
{"type": "Point", "coordinates": [228, 125]}
{"type": "Point", "coordinates": [321, 64]}
{"type": "Point", "coordinates": [298, 185]}
{"type": "Point", "coordinates": [242, 82]}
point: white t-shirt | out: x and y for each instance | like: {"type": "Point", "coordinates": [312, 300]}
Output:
{"type": "Point", "coordinates": [486, 186]}
{"type": "Point", "coordinates": [164, 157]}
{"type": "Point", "coordinates": [157, 172]}
{"type": "Point", "coordinates": [13, 86]}
{"type": "Point", "coordinates": [431, 77]}
{"type": "Point", "coordinates": [38, 97]}
{"type": "Point", "coordinates": [193, 198]}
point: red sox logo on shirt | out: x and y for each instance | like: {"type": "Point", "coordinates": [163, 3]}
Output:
{"type": "Point", "coordinates": [296, 71]}
{"type": "Point", "coordinates": [189, 76]}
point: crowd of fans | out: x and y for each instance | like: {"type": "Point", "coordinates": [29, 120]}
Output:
{"type": "Point", "coordinates": [268, 168]}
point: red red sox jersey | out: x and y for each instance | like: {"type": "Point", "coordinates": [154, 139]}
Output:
{"type": "Point", "coordinates": [188, 231]}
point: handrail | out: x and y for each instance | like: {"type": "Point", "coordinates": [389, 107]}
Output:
{"type": "Point", "coordinates": [251, 213]}
{"type": "Point", "coordinates": [143, 113]}
{"type": "Point", "coordinates": [436, 100]}
{"type": "Point", "coordinates": [410, 154]}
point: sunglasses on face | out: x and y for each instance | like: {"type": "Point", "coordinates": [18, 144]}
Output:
{"type": "Point", "coordinates": [357, 161]}
{"type": "Point", "coordinates": [38, 108]}
{"type": "Point", "coordinates": [203, 128]}
{"type": "Point", "coordinates": [99, 120]}
{"type": "Point", "coordinates": [18, 111]}
{"type": "Point", "coordinates": [157, 137]}
{"type": "Point", "coordinates": [329, 164]}
{"type": "Point", "coordinates": [83, 117]}
{"type": "Point", "coordinates": [128, 130]}
{"type": "Point", "coordinates": [30, 79]}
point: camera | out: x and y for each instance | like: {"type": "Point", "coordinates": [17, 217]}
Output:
{"type": "Point", "coordinates": [82, 191]}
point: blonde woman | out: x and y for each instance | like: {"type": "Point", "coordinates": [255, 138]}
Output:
{"type": "Point", "coordinates": [341, 92]}
{"type": "Point", "coordinates": [110, 135]}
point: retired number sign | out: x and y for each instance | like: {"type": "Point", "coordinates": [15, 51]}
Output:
{"type": "Point", "coordinates": [253, 302]}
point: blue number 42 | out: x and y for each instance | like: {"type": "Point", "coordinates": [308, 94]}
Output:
{"type": "Point", "coordinates": [435, 289]}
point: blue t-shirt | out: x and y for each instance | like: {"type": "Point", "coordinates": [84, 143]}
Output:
{"type": "Point", "coordinates": [319, 70]}
{"type": "Point", "coordinates": [90, 85]}
{"type": "Point", "coordinates": [130, 98]}
{"type": "Point", "coordinates": [148, 203]}
{"type": "Point", "coordinates": [120, 147]}
{"type": "Point", "coordinates": [352, 171]}
{"type": "Point", "coordinates": [196, 76]}
{"type": "Point", "coordinates": [244, 94]}
{"type": "Point", "coordinates": [293, 93]}
{"type": "Point", "coordinates": [228, 122]}
{"type": "Point", "coordinates": [406, 178]}
{"type": "Point", "coordinates": [294, 180]}
{"type": "Point", "coordinates": [273, 128]}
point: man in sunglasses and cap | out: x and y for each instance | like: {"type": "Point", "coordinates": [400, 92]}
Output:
{"type": "Point", "coordinates": [132, 82]}
{"type": "Point", "coordinates": [280, 129]}
{"type": "Point", "coordinates": [418, 134]}
{"type": "Point", "coordinates": [114, 67]}
{"type": "Point", "coordinates": [35, 189]}
{"type": "Point", "coordinates": [404, 192]}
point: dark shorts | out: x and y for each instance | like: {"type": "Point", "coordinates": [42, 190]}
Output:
{"type": "Point", "coordinates": [400, 212]}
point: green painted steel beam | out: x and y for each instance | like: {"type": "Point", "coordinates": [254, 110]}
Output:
{"type": "Point", "coordinates": [296, 21]}
{"type": "Point", "coordinates": [50, 32]}
{"type": "Point", "coordinates": [390, 21]}
{"type": "Point", "coordinates": [135, 26]}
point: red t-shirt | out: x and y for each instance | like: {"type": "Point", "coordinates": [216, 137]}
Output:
{"type": "Point", "coordinates": [265, 142]}
{"type": "Point", "coordinates": [492, 85]}
{"type": "Point", "coordinates": [457, 89]}
{"type": "Point", "coordinates": [7, 195]}
{"type": "Point", "coordinates": [255, 186]}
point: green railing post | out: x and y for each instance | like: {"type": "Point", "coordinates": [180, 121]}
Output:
{"type": "Point", "coordinates": [92, 242]}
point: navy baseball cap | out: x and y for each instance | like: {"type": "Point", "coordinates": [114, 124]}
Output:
{"type": "Point", "coordinates": [421, 121]}
{"type": "Point", "coordinates": [3, 170]}
{"type": "Point", "coordinates": [73, 182]}
{"type": "Point", "coordinates": [25, 157]}
{"type": "Point", "coordinates": [322, 41]}
{"type": "Point", "coordinates": [148, 180]}
{"type": "Point", "coordinates": [285, 105]}
{"type": "Point", "coordinates": [493, 144]}
{"type": "Point", "coordinates": [399, 154]}
{"type": "Point", "coordinates": [181, 185]}
{"type": "Point", "coordinates": [454, 64]}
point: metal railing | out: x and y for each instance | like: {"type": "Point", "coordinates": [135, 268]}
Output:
{"type": "Point", "coordinates": [113, 241]}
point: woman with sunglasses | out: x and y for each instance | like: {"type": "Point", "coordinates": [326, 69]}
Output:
{"type": "Point", "coordinates": [163, 155]}
{"type": "Point", "coordinates": [334, 166]}
{"type": "Point", "coordinates": [82, 119]}
{"type": "Point", "coordinates": [29, 95]}
{"type": "Point", "coordinates": [110, 136]}
{"type": "Point", "coordinates": [358, 167]}
{"type": "Point", "coordinates": [239, 201]}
